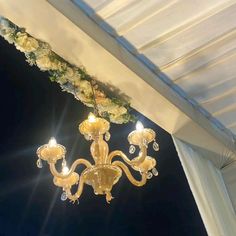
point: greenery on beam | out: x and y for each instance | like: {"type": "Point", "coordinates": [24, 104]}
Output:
{"type": "Point", "coordinates": [71, 78]}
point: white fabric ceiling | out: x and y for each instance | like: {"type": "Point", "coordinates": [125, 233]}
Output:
{"type": "Point", "coordinates": [78, 32]}
{"type": "Point", "coordinates": [192, 42]}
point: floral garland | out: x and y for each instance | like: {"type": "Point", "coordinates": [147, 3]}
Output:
{"type": "Point", "coordinates": [71, 78]}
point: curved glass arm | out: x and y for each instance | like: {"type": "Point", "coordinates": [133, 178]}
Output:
{"type": "Point", "coordinates": [72, 169]}
{"type": "Point", "coordinates": [129, 175]}
{"type": "Point", "coordinates": [136, 161]}
{"type": "Point", "coordinates": [74, 197]}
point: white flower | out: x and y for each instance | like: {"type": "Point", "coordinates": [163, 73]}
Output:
{"type": "Point", "coordinates": [75, 79]}
{"type": "Point", "coordinates": [116, 119]}
{"type": "Point", "coordinates": [69, 72]}
{"type": "Point", "coordinates": [24, 43]}
{"type": "Point", "coordinates": [56, 65]}
{"type": "Point", "coordinates": [115, 109]}
{"type": "Point", "coordinates": [83, 98]}
{"type": "Point", "coordinates": [44, 63]}
{"type": "Point", "coordinates": [31, 44]}
{"type": "Point", "coordinates": [43, 50]}
{"type": "Point", "coordinates": [62, 80]}
{"type": "Point", "coordinates": [85, 86]}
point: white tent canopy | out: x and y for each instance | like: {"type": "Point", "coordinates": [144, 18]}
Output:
{"type": "Point", "coordinates": [174, 59]}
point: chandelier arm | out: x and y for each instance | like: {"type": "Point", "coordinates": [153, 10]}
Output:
{"type": "Point", "coordinates": [120, 154]}
{"type": "Point", "coordinates": [72, 169]}
{"type": "Point", "coordinates": [74, 197]}
{"type": "Point", "coordinates": [141, 156]}
{"type": "Point", "coordinates": [129, 175]}
{"type": "Point", "coordinates": [137, 161]}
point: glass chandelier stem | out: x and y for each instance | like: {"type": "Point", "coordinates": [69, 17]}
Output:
{"type": "Point", "coordinates": [72, 169]}
{"type": "Point", "coordinates": [129, 175]}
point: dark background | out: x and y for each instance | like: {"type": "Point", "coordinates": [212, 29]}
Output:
{"type": "Point", "coordinates": [32, 110]}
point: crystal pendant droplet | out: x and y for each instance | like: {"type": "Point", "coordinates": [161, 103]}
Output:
{"type": "Point", "coordinates": [107, 136]}
{"type": "Point", "coordinates": [87, 137]}
{"type": "Point", "coordinates": [132, 149]}
{"type": "Point", "coordinates": [155, 146]}
{"type": "Point", "coordinates": [39, 163]}
{"type": "Point", "coordinates": [149, 175]}
{"type": "Point", "coordinates": [155, 172]}
{"type": "Point", "coordinates": [63, 196]}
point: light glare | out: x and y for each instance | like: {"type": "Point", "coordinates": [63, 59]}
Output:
{"type": "Point", "coordinates": [139, 126]}
{"type": "Point", "coordinates": [52, 142]}
{"type": "Point", "coordinates": [91, 117]}
{"type": "Point", "coordinates": [65, 170]}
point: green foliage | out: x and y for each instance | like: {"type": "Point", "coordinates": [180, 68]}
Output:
{"type": "Point", "coordinates": [71, 78]}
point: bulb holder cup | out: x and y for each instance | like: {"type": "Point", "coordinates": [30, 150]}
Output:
{"type": "Point", "coordinates": [94, 129]}
{"type": "Point", "coordinates": [141, 137]}
{"type": "Point", "coordinates": [102, 178]}
{"type": "Point", "coordinates": [148, 164]}
{"type": "Point", "coordinates": [66, 182]}
{"type": "Point", "coordinates": [51, 154]}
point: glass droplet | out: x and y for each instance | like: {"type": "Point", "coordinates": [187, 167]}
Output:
{"type": "Point", "coordinates": [149, 175]}
{"type": "Point", "coordinates": [132, 149]}
{"type": "Point", "coordinates": [155, 146]}
{"type": "Point", "coordinates": [39, 163]}
{"type": "Point", "coordinates": [107, 136]}
{"type": "Point", "coordinates": [87, 137]}
{"type": "Point", "coordinates": [155, 172]}
{"type": "Point", "coordinates": [63, 196]}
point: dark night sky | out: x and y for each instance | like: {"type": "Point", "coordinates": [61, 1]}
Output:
{"type": "Point", "coordinates": [32, 110]}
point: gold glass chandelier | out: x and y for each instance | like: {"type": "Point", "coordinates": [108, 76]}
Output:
{"type": "Point", "coordinates": [104, 173]}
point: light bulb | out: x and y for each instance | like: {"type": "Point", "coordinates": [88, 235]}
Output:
{"type": "Point", "coordinates": [52, 142]}
{"type": "Point", "coordinates": [91, 117]}
{"type": "Point", "coordinates": [65, 170]}
{"type": "Point", "coordinates": [139, 126]}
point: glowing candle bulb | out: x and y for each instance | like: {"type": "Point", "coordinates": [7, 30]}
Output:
{"type": "Point", "coordinates": [91, 118]}
{"type": "Point", "coordinates": [52, 142]}
{"type": "Point", "coordinates": [139, 126]}
{"type": "Point", "coordinates": [65, 170]}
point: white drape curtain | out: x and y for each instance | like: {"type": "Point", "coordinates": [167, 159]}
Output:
{"type": "Point", "coordinates": [209, 191]}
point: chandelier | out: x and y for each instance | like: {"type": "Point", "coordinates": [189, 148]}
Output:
{"type": "Point", "coordinates": [105, 172]}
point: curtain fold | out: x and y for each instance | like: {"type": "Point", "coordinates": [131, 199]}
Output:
{"type": "Point", "coordinates": [209, 191]}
